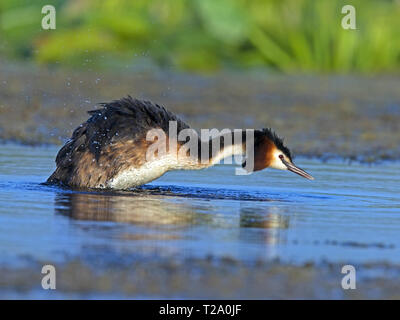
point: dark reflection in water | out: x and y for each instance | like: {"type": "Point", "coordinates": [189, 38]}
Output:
{"type": "Point", "coordinates": [270, 220]}
{"type": "Point", "coordinates": [267, 218]}
{"type": "Point", "coordinates": [199, 217]}
{"type": "Point", "coordinates": [141, 210]}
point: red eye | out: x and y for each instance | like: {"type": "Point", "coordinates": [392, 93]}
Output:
{"type": "Point", "coordinates": [281, 156]}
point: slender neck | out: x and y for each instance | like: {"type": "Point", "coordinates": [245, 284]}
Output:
{"type": "Point", "coordinates": [222, 146]}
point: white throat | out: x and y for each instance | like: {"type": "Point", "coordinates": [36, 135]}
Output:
{"type": "Point", "coordinates": [232, 150]}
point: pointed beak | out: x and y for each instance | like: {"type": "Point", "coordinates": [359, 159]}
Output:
{"type": "Point", "coordinates": [300, 172]}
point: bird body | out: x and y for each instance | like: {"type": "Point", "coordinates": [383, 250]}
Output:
{"type": "Point", "coordinates": [111, 149]}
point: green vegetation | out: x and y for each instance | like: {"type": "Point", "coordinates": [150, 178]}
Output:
{"type": "Point", "coordinates": [206, 35]}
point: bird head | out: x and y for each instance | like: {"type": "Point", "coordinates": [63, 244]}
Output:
{"type": "Point", "coordinates": [270, 152]}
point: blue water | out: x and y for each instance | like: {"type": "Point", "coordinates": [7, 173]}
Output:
{"type": "Point", "coordinates": [350, 213]}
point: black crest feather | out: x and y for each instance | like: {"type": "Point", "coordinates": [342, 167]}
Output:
{"type": "Point", "coordinates": [278, 141]}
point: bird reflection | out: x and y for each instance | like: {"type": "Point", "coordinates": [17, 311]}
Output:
{"type": "Point", "coordinates": [266, 218]}
{"type": "Point", "coordinates": [270, 218]}
{"type": "Point", "coordinates": [254, 222]}
{"type": "Point", "coordinates": [136, 209]}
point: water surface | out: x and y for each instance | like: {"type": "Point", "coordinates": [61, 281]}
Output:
{"type": "Point", "coordinates": [351, 212]}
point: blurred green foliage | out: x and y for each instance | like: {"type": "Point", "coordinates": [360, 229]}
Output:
{"type": "Point", "coordinates": [206, 35]}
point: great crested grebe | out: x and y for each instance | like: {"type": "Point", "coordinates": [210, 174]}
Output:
{"type": "Point", "coordinates": [110, 149]}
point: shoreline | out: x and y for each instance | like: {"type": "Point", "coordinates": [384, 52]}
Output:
{"type": "Point", "coordinates": [349, 117]}
{"type": "Point", "coordinates": [210, 278]}
{"type": "Point", "coordinates": [333, 158]}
